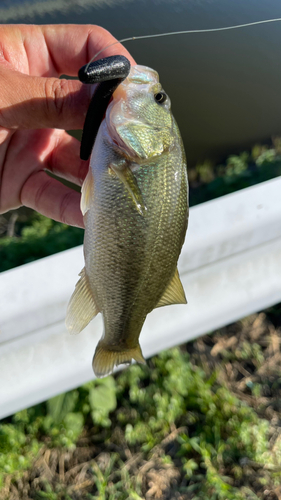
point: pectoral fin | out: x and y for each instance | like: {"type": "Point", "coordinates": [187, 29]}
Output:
{"type": "Point", "coordinates": [127, 177]}
{"type": "Point", "coordinates": [87, 192]}
{"type": "Point", "coordinates": [81, 308]}
{"type": "Point", "coordinates": [174, 293]}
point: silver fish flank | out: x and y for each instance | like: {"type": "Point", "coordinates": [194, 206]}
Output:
{"type": "Point", "coordinates": [135, 206]}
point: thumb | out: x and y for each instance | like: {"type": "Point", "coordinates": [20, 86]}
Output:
{"type": "Point", "coordinates": [40, 102]}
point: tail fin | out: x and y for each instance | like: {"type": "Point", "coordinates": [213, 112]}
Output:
{"type": "Point", "coordinates": [105, 359]}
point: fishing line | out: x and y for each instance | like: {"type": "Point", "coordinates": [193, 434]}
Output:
{"type": "Point", "coordinates": [185, 32]}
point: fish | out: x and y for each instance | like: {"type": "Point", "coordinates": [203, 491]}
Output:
{"type": "Point", "coordinates": [135, 206]}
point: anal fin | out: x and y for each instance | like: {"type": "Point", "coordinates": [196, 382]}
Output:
{"type": "Point", "coordinates": [81, 308]}
{"type": "Point", "coordinates": [174, 293]}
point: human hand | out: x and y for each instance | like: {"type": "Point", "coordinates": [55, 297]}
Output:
{"type": "Point", "coordinates": [36, 107]}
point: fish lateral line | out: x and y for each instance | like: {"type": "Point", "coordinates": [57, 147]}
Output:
{"type": "Point", "coordinates": [184, 32]}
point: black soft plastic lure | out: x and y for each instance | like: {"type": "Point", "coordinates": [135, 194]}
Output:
{"type": "Point", "coordinates": [108, 73]}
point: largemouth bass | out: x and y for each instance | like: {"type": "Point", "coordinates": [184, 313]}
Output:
{"type": "Point", "coordinates": [135, 204]}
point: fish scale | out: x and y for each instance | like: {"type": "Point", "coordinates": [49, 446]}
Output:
{"type": "Point", "coordinates": [135, 202]}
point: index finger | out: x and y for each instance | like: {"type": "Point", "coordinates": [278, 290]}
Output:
{"type": "Point", "coordinates": [72, 46]}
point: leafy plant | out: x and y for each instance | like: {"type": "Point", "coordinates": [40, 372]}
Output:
{"type": "Point", "coordinates": [59, 406]}
{"type": "Point", "coordinates": [216, 432]}
{"type": "Point", "coordinates": [40, 238]}
{"type": "Point", "coordinates": [102, 399]}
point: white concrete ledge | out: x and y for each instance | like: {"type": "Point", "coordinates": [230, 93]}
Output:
{"type": "Point", "coordinates": [230, 267]}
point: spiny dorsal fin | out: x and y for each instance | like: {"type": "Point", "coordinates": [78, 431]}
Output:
{"type": "Point", "coordinates": [174, 293]}
{"type": "Point", "coordinates": [87, 192]}
{"type": "Point", "coordinates": [81, 308]}
{"type": "Point", "coordinates": [127, 177]}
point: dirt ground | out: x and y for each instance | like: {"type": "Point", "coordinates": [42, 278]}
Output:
{"type": "Point", "coordinates": [245, 354]}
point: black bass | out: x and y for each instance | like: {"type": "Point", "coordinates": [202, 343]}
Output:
{"type": "Point", "coordinates": [135, 207]}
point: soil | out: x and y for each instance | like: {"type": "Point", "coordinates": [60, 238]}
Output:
{"type": "Point", "coordinates": [230, 352]}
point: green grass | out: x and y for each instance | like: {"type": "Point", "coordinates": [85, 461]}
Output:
{"type": "Point", "coordinates": [39, 238]}
{"type": "Point", "coordinates": [209, 181]}
{"type": "Point", "coordinates": [198, 436]}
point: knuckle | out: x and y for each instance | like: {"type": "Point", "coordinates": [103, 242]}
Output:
{"type": "Point", "coordinates": [56, 93]}
{"type": "Point", "coordinates": [42, 190]}
{"type": "Point", "coordinates": [64, 206]}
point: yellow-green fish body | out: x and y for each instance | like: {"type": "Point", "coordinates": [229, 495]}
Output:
{"type": "Point", "coordinates": [135, 203]}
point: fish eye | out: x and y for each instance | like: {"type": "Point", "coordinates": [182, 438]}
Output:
{"type": "Point", "coordinates": [160, 97]}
